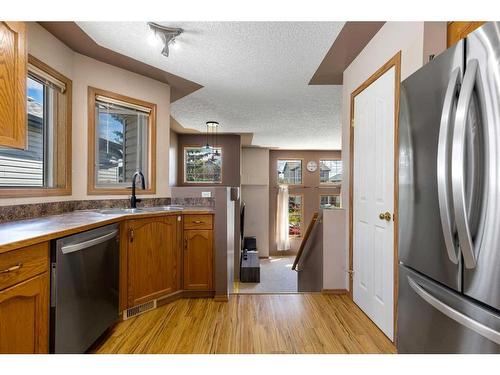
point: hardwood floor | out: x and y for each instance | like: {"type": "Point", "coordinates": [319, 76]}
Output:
{"type": "Point", "coordinates": [287, 323]}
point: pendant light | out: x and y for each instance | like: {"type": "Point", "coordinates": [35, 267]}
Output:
{"type": "Point", "coordinates": [211, 136]}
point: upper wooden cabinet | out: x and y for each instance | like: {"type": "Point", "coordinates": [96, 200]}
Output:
{"type": "Point", "coordinates": [459, 30]}
{"type": "Point", "coordinates": [153, 253]}
{"type": "Point", "coordinates": [13, 63]}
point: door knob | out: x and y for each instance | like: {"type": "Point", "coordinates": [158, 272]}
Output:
{"type": "Point", "coordinates": [385, 216]}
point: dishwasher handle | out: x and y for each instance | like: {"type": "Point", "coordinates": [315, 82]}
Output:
{"type": "Point", "coordinates": [83, 245]}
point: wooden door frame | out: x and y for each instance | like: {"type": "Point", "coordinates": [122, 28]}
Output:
{"type": "Point", "coordinates": [395, 62]}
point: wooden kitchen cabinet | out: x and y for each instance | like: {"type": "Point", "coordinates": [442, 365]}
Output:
{"type": "Point", "coordinates": [198, 259]}
{"type": "Point", "coordinates": [24, 300]}
{"type": "Point", "coordinates": [459, 30]}
{"type": "Point", "coordinates": [153, 257]}
{"type": "Point", "coordinates": [13, 75]}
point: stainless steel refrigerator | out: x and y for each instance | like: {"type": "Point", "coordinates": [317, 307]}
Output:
{"type": "Point", "coordinates": [449, 201]}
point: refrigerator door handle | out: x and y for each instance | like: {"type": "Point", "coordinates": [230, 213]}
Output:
{"type": "Point", "coordinates": [457, 167]}
{"type": "Point", "coordinates": [443, 162]}
{"type": "Point", "coordinates": [457, 316]}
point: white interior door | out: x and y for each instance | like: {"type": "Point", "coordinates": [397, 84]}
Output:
{"type": "Point", "coordinates": [373, 194]}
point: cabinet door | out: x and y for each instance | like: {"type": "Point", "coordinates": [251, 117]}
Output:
{"type": "Point", "coordinates": [13, 84]}
{"type": "Point", "coordinates": [153, 245]}
{"type": "Point", "coordinates": [24, 317]}
{"type": "Point", "coordinates": [198, 260]}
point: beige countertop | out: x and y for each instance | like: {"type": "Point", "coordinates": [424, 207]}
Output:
{"type": "Point", "coordinates": [27, 232]}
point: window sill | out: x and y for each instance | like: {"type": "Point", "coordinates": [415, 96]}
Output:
{"type": "Point", "coordinates": [33, 192]}
{"type": "Point", "coordinates": [119, 191]}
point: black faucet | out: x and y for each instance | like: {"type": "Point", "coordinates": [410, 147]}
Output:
{"type": "Point", "coordinates": [133, 198]}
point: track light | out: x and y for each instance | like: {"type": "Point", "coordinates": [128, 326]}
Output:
{"type": "Point", "coordinates": [166, 35]}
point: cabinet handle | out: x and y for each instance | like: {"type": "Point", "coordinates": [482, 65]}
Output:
{"type": "Point", "coordinates": [185, 243]}
{"type": "Point", "coordinates": [197, 221]}
{"type": "Point", "coordinates": [131, 232]}
{"type": "Point", "coordinates": [12, 269]}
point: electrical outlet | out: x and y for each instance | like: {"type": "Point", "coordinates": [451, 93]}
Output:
{"type": "Point", "coordinates": [206, 194]}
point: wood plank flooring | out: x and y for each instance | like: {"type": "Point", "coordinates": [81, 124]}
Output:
{"type": "Point", "coordinates": [286, 323]}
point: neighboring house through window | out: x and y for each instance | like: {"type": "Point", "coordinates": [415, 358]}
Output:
{"type": "Point", "coordinates": [329, 201]}
{"type": "Point", "coordinates": [124, 142]}
{"type": "Point", "coordinates": [44, 167]}
{"type": "Point", "coordinates": [202, 165]}
{"type": "Point", "coordinates": [289, 172]}
{"type": "Point", "coordinates": [330, 171]}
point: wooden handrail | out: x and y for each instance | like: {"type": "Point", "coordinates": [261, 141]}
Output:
{"type": "Point", "coordinates": [304, 241]}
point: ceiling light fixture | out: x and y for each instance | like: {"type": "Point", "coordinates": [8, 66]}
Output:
{"type": "Point", "coordinates": [212, 130]}
{"type": "Point", "coordinates": [166, 35]}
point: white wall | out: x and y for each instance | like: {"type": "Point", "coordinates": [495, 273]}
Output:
{"type": "Point", "coordinates": [255, 194]}
{"type": "Point", "coordinates": [407, 37]}
{"type": "Point", "coordinates": [84, 72]}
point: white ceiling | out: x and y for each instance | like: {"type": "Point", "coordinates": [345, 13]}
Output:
{"type": "Point", "coordinates": [255, 76]}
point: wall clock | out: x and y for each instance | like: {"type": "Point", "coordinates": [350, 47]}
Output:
{"type": "Point", "coordinates": [312, 166]}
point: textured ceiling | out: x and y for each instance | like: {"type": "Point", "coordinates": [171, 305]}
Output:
{"type": "Point", "coordinates": [255, 76]}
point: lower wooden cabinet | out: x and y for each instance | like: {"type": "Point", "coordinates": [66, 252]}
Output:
{"type": "Point", "coordinates": [198, 259]}
{"type": "Point", "coordinates": [153, 252]}
{"type": "Point", "coordinates": [24, 316]}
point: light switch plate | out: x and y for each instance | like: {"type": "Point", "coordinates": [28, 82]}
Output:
{"type": "Point", "coordinates": [206, 194]}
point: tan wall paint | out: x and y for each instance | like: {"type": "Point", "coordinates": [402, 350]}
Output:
{"type": "Point", "coordinates": [255, 195]}
{"type": "Point", "coordinates": [407, 37]}
{"type": "Point", "coordinates": [173, 158]}
{"type": "Point", "coordinates": [310, 189]}
{"type": "Point", "coordinates": [231, 155]}
{"type": "Point", "coordinates": [85, 71]}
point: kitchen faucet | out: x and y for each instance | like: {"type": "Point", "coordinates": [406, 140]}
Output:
{"type": "Point", "coordinates": [133, 198]}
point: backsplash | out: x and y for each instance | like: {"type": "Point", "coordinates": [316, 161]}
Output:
{"type": "Point", "coordinates": [29, 211]}
{"type": "Point", "coordinates": [194, 202]}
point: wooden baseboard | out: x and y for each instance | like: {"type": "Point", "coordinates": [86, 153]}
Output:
{"type": "Point", "coordinates": [335, 291]}
{"type": "Point", "coordinates": [221, 298]}
{"type": "Point", "coordinates": [198, 294]}
{"type": "Point", "coordinates": [170, 298]}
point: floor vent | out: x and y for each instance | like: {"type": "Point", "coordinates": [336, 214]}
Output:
{"type": "Point", "coordinates": [137, 310]}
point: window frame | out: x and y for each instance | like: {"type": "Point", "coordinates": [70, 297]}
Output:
{"type": "Point", "coordinates": [301, 171]}
{"type": "Point", "coordinates": [290, 194]}
{"type": "Point", "coordinates": [185, 182]}
{"type": "Point", "coordinates": [330, 183]}
{"type": "Point", "coordinates": [18, 191]}
{"type": "Point", "coordinates": [331, 195]}
{"type": "Point", "coordinates": [92, 189]}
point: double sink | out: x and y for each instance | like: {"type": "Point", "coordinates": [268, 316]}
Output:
{"type": "Point", "coordinates": [116, 211]}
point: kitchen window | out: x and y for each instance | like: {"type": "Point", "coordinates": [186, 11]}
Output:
{"type": "Point", "coordinates": [329, 201]}
{"type": "Point", "coordinates": [295, 215]}
{"type": "Point", "coordinates": [122, 131]}
{"type": "Point", "coordinates": [202, 165]}
{"type": "Point", "coordinates": [330, 172]}
{"type": "Point", "coordinates": [289, 172]}
{"type": "Point", "coordinates": [44, 167]}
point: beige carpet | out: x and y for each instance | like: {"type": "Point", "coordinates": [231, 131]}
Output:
{"type": "Point", "coordinates": [276, 276]}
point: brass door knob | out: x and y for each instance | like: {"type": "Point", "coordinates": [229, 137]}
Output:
{"type": "Point", "coordinates": [385, 216]}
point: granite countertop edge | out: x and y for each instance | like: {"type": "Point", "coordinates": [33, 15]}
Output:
{"type": "Point", "coordinates": [21, 233]}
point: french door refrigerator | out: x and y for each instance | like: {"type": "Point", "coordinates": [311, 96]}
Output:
{"type": "Point", "coordinates": [449, 201]}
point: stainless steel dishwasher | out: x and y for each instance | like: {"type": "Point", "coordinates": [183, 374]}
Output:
{"type": "Point", "coordinates": [84, 288]}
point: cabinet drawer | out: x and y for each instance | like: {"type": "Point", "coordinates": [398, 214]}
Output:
{"type": "Point", "coordinates": [198, 221]}
{"type": "Point", "coordinates": [22, 264]}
